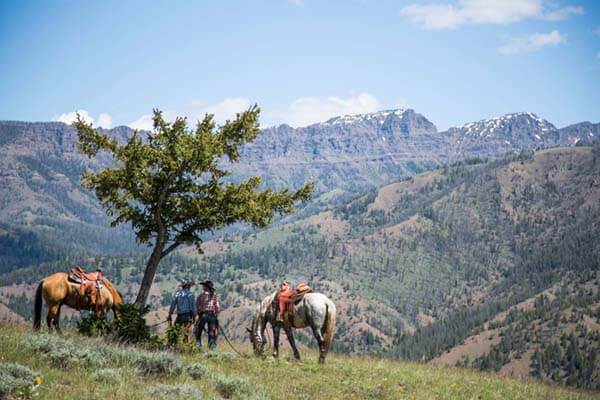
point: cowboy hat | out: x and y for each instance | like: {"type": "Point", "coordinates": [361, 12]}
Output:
{"type": "Point", "coordinates": [208, 284]}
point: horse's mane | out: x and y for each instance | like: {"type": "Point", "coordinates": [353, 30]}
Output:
{"type": "Point", "coordinates": [261, 309]}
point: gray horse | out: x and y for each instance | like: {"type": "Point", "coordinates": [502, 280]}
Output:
{"type": "Point", "coordinates": [315, 310]}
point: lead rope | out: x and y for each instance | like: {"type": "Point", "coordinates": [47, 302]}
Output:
{"type": "Point", "coordinates": [230, 344]}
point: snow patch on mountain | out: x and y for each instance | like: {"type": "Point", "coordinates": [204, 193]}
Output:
{"type": "Point", "coordinates": [502, 125]}
{"type": "Point", "coordinates": [379, 117]}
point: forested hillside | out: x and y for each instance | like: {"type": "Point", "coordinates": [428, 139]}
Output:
{"type": "Point", "coordinates": [423, 265]}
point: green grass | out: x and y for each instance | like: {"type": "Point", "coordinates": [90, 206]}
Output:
{"type": "Point", "coordinates": [130, 373]}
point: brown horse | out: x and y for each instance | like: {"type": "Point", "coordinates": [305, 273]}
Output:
{"type": "Point", "coordinates": [57, 290]}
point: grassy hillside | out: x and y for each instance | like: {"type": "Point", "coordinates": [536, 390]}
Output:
{"type": "Point", "coordinates": [73, 367]}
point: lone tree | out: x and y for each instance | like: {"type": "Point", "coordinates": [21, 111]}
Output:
{"type": "Point", "coordinates": [170, 185]}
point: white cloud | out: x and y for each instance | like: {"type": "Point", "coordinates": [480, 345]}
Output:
{"type": "Point", "coordinates": [300, 112]}
{"type": "Point", "coordinates": [532, 43]}
{"type": "Point", "coordinates": [308, 110]}
{"type": "Point", "coordinates": [445, 16]}
{"type": "Point", "coordinates": [143, 123]}
{"type": "Point", "coordinates": [560, 13]}
{"type": "Point", "coordinates": [104, 120]}
{"type": "Point", "coordinates": [70, 117]}
{"type": "Point", "coordinates": [196, 110]}
{"type": "Point", "coordinates": [433, 16]}
{"type": "Point", "coordinates": [223, 110]}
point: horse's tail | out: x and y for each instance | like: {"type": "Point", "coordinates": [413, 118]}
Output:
{"type": "Point", "coordinates": [37, 310]}
{"type": "Point", "coordinates": [329, 325]}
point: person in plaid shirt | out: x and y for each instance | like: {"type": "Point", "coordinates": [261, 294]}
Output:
{"type": "Point", "coordinates": [208, 308]}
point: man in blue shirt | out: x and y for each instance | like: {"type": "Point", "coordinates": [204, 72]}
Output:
{"type": "Point", "coordinates": [185, 303]}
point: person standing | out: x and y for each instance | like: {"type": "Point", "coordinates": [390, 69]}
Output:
{"type": "Point", "coordinates": [208, 308]}
{"type": "Point", "coordinates": [186, 309]}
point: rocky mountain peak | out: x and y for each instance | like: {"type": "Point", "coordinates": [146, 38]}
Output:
{"type": "Point", "coordinates": [509, 126]}
{"type": "Point", "coordinates": [378, 117]}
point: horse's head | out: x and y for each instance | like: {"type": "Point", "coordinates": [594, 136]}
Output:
{"type": "Point", "coordinates": [104, 302]}
{"type": "Point", "coordinates": [258, 343]}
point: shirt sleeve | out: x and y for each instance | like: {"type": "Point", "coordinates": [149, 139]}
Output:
{"type": "Point", "coordinates": [198, 303]}
{"type": "Point", "coordinates": [194, 308]}
{"type": "Point", "coordinates": [173, 304]}
{"type": "Point", "coordinates": [217, 305]}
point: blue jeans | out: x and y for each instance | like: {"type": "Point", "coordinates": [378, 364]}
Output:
{"type": "Point", "coordinates": [210, 321]}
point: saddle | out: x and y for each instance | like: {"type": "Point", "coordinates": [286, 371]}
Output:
{"type": "Point", "coordinates": [292, 300]}
{"type": "Point", "coordinates": [301, 290]}
{"type": "Point", "coordinates": [89, 283]}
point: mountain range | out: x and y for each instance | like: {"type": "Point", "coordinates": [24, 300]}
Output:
{"type": "Point", "coordinates": [40, 166]}
{"type": "Point", "coordinates": [376, 148]}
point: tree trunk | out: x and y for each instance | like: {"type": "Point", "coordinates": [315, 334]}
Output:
{"type": "Point", "coordinates": [149, 272]}
{"type": "Point", "coordinates": [157, 253]}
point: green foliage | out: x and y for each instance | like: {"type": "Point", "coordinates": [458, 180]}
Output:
{"type": "Point", "coordinates": [44, 343]}
{"type": "Point", "coordinates": [169, 185]}
{"type": "Point", "coordinates": [93, 326]}
{"type": "Point", "coordinates": [175, 336]}
{"type": "Point", "coordinates": [221, 356]}
{"type": "Point", "coordinates": [158, 363]}
{"type": "Point", "coordinates": [228, 386]}
{"type": "Point", "coordinates": [196, 370]}
{"type": "Point", "coordinates": [110, 376]}
{"type": "Point", "coordinates": [132, 327]}
{"type": "Point", "coordinates": [253, 378]}
{"type": "Point", "coordinates": [18, 380]}
{"type": "Point", "coordinates": [179, 391]}
{"type": "Point", "coordinates": [63, 354]}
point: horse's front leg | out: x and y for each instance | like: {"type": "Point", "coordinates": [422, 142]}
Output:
{"type": "Point", "coordinates": [57, 319]}
{"type": "Point", "coordinates": [276, 332]}
{"type": "Point", "coordinates": [290, 336]}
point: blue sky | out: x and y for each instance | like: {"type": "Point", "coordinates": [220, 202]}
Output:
{"type": "Point", "coordinates": [301, 61]}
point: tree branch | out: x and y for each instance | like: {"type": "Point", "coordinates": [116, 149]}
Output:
{"type": "Point", "coordinates": [169, 249]}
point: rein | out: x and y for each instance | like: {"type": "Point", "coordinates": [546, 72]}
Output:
{"type": "Point", "coordinates": [159, 323]}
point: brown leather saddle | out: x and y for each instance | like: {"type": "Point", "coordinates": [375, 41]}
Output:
{"type": "Point", "coordinates": [89, 283]}
{"type": "Point", "coordinates": [300, 291]}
